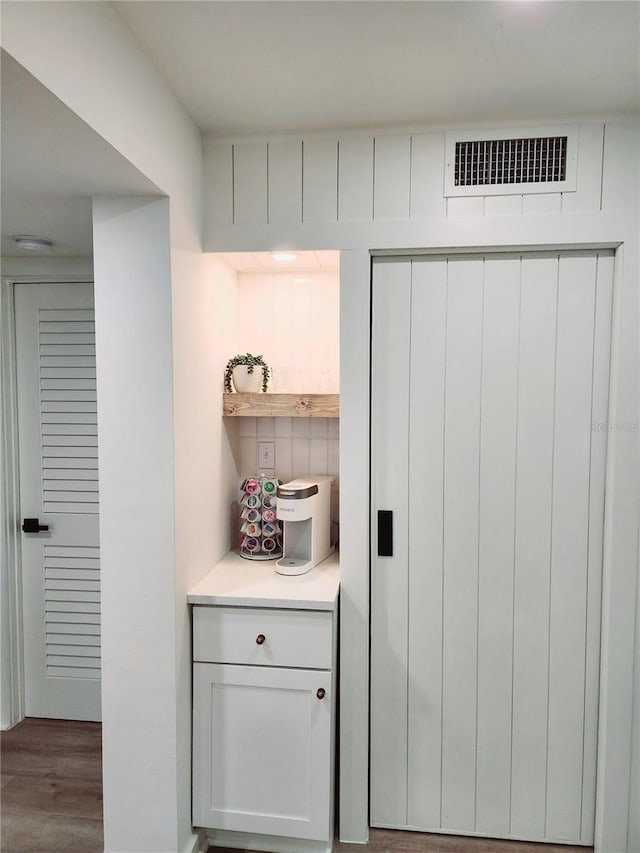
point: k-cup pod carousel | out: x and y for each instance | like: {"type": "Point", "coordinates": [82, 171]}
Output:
{"type": "Point", "coordinates": [260, 530]}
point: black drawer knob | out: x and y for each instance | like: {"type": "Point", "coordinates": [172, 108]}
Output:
{"type": "Point", "coordinates": [260, 639]}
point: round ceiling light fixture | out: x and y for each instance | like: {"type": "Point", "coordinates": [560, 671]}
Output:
{"type": "Point", "coordinates": [33, 245]}
{"type": "Point", "coordinates": [284, 257]}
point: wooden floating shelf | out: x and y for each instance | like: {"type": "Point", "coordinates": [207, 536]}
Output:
{"type": "Point", "coordinates": [281, 405]}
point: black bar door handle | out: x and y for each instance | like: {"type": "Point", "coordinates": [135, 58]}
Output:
{"type": "Point", "coordinates": [32, 525]}
{"type": "Point", "coordinates": [385, 533]}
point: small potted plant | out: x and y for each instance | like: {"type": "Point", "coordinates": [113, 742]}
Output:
{"type": "Point", "coordinates": [242, 369]}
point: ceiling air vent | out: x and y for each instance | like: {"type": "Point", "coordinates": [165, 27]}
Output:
{"type": "Point", "coordinates": [482, 163]}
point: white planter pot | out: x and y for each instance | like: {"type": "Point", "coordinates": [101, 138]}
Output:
{"type": "Point", "coordinates": [245, 382]}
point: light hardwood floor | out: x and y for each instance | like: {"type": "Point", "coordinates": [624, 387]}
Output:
{"type": "Point", "coordinates": [51, 788]}
{"type": "Point", "coordinates": [51, 800]}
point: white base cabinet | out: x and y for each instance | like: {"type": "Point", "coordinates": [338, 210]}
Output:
{"type": "Point", "coordinates": [263, 722]}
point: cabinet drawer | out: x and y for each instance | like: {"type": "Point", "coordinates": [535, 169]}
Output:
{"type": "Point", "coordinates": [246, 635]}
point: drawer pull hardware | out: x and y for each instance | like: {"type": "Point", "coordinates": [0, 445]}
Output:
{"type": "Point", "coordinates": [321, 693]}
{"type": "Point", "coordinates": [260, 639]}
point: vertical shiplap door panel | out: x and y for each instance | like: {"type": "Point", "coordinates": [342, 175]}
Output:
{"type": "Point", "coordinates": [460, 597]}
{"type": "Point", "coordinates": [390, 403]}
{"type": "Point", "coordinates": [532, 550]}
{"type": "Point", "coordinates": [392, 177]}
{"type": "Point", "coordinates": [355, 179]}
{"type": "Point", "coordinates": [320, 180]}
{"type": "Point", "coordinates": [250, 183]}
{"type": "Point", "coordinates": [599, 415]}
{"type": "Point", "coordinates": [426, 485]}
{"type": "Point", "coordinates": [498, 430]}
{"type": "Point", "coordinates": [285, 181]}
{"type": "Point", "coordinates": [504, 471]}
{"type": "Point", "coordinates": [569, 544]}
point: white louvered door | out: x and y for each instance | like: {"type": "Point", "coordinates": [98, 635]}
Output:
{"type": "Point", "coordinates": [489, 432]}
{"type": "Point", "coordinates": [57, 418]}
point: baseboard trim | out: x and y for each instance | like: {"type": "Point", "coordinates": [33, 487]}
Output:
{"type": "Point", "coordinates": [197, 843]}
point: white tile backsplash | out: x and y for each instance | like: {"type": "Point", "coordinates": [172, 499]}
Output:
{"type": "Point", "coordinates": [302, 445]}
{"type": "Point", "coordinates": [333, 456]}
{"type": "Point", "coordinates": [301, 457]}
{"type": "Point", "coordinates": [302, 427]}
{"type": "Point", "coordinates": [266, 428]}
{"type": "Point", "coordinates": [284, 428]}
{"type": "Point", "coordinates": [318, 456]}
{"type": "Point", "coordinates": [284, 450]}
{"type": "Point", "coordinates": [319, 428]}
{"type": "Point", "coordinates": [246, 427]}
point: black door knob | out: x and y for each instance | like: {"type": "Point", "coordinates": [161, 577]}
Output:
{"type": "Point", "coordinates": [32, 525]}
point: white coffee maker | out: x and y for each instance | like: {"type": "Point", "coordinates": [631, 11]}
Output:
{"type": "Point", "coordinates": [304, 507]}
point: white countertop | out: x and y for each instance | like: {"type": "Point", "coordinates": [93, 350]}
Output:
{"type": "Point", "coordinates": [254, 583]}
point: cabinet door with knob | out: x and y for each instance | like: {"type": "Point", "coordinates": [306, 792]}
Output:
{"type": "Point", "coordinates": [263, 730]}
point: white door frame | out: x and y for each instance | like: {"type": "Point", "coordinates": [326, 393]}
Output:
{"type": "Point", "coordinates": [12, 667]}
{"type": "Point", "coordinates": [620, 551]}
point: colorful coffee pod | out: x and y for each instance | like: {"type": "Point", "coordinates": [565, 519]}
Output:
{"type": "Point", "coordinates": [270, 487]}
{"type": "Point", "coordinates": [252, 501]}
{"type": "Point", "coordinates": [269, 545]}
{"type": "Point", "coordinates": [270, 529]}
{"type": "Point", "coordinates": [251, 544]}
{"type": "Point", "coordinates": [268, 515]}
{"type": "Point", "coordinates": [252, 515]}
{"type": "Point", "coordinates": [252, 487]}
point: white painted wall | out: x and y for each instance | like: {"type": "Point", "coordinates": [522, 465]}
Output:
{"type": "Point", "coordinates": [293, 320]}
{"type": "Point", "coordinates": [385, 192]}
{"type": "Point", "coordinates": [120, 95]}
{"type": "Point", "coordinates": [137, 538]}
{"type": "Point", "coordinates": [633, 838]}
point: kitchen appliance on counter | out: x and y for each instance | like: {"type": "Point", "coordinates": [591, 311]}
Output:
{"type": "Point", "coordinates": [304, 507]}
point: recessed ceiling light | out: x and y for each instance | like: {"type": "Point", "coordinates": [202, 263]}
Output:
{"type": "Point", "coordinates": [33, 245]}
{"type": "Point", "coordinates": [284, 256]}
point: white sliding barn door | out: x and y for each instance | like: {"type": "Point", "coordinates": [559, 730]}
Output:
{"type": "Point", "coordinates": [58, 438]}
{"type": "Point", "coordinates": [489, 408]}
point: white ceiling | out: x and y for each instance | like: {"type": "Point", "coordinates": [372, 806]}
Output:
{"type": "Point", "coordinates": [278, 67]}
{"type": "Point", "coordinates": [52, 164]}
{"type": "Point", "coordinates": [245, 67]}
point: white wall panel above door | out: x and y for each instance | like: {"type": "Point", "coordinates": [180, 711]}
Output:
{"type": "Point", "coordinates": [355, 179]}
{"type": "Point", "coordinates": [392, 177]}
{"type": "Point", "coordinates": [320, 180]}
{"type": "Point", "coordinates": [250, 183]}
{"type": "Point", "coordinates": [386, 178]}
{"type": "Point", "coordinates": [427, 176]}
{"type": "Point", "coordinates": [285, 181]}
{"type": "Point", "coordinates": [218, 177]}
